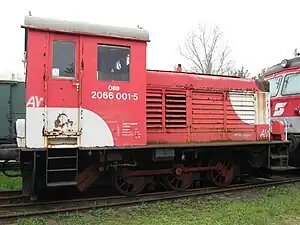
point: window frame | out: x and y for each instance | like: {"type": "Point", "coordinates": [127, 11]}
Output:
{"type": "Point", "coordinates": [285, 78]}
{"type": "Point", "coordinates": [279, 86]}
{"type": "Point", "coordinates": [118, 47]}
{"type": "Point", "coordinates": [75, 59]}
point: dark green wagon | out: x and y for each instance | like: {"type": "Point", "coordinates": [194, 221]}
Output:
{"type": "Point", "coordinates": [12, 107]}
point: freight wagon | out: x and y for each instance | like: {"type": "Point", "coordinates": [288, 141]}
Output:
{"type": "Point", "coordinates": [12, 108]}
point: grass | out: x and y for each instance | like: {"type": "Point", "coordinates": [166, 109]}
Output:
{"type": "Point", "coordinates": [10, 183]}
{"type": "Point", "coordinates": [267, 206]}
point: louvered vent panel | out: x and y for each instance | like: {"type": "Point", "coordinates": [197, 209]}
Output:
{"type": "Point", "coordinates": [175, 106]}
{"type": "Point", "coordinates": [154, 109]}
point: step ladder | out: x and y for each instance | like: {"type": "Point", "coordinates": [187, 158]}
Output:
{"type": "Point", "coordinates": [279, 159]}
{"type": "Point", "coordinates": [62, 167]}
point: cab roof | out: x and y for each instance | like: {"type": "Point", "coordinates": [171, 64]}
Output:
{"type": "Point", "coordinates": [290, 63]}
{"type": "Point", "coordinates": [40, 23]}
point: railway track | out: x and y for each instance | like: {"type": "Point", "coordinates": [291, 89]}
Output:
{"type": "Point", "coordinates": [10, 193]}
{"type": "Point", "coordinates": [11, 196]}
{"type": "Point", "coordinates": [31, 208]}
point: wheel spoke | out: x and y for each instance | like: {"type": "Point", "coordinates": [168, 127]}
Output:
{"type": "Point", "coordinates": [217, 175]}
{"type": "Point", "coordinates": [225, 175]}
{"type": "Point", "coordinates": [129, 186]}
{"type": "Point", "coordinates": [172, 181]}
{"type": "Point", "coordinates": [178, 182]}
{"type": "Point", "coordinates": [123, 183]}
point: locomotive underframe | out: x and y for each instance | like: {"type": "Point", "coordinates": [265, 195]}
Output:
{"type": "Point", "coordinates": [137, 167]}
{"type": "Point", "coordinates": [294, 149]}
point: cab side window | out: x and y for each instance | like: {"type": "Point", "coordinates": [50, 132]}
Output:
{"type": "Point", "coordinates": [63, 59]}
{"type": "Point", "coordinates": [113, 63]}
{"type": "Point", "coordinates": [274, 85]}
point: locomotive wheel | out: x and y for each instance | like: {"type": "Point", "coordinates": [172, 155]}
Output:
{"type": "Point", "coordinates": [225, 175]}
{"type": "Point", "coordinates": [178, 181]}
{"type": "Point", "coordinates": [129, 186]}
{"type": "Point", "coordinates": [294, 142]}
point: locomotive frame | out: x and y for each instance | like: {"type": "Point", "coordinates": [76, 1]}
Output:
{"type": "Point", "coordinates": [67, 141]}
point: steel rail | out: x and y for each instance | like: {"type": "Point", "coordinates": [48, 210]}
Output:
{"type": "Point", "coordinates": [11, 211]}
{"type": "Point", "coordinates": [9, 196]}
{"type": "Point", "coordinates": [7, 193]}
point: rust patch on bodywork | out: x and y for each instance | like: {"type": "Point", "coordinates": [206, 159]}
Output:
{"type": "Point", "coordinates": [63, 123]}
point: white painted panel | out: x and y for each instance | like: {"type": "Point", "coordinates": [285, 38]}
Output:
{"type": "Point", "coordinates": [262, 108]}
{"type": "Point", "coordinates": [95, 131]}
{"type": "Point", "coordinates": [244, 105]}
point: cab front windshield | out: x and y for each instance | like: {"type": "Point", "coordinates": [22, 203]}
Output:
{"type": "Point", "coordinates": [291, 84]}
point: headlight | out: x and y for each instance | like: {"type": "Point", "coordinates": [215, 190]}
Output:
{"type": "Point", "coordinates": [284, 63]}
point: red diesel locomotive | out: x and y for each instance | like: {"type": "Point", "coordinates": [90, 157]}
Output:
{"type": "Point", "coordinates": [95, 114]}
{"type": "Point", "coordinates": [284, 79]}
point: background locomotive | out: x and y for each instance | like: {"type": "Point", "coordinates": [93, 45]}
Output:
{"type": "Point", "coordinates": [284, 79]}
{"type": "Point", "coordinates": [94, 113]}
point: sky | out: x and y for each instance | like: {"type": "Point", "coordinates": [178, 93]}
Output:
{"type": "Point", "coordinates": [260, 33]}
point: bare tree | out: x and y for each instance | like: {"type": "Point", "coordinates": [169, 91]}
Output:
{"type": "Point", "coordinates": [260, 75]}
{"type": "Point", "coordinates": [242, 72]}
{"type": "Point", "coordinates": [206, 51]}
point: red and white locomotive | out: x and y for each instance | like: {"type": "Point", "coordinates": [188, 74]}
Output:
{"type": "Point", "coordinates": [284, 79]}
{"type": "Point", "coordinates": [95, 114]}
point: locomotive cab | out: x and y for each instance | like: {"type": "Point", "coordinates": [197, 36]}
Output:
{"type": "Point", "coordinates": [85, 84]}
{"type": "Point", "coordinates": [284, 81]}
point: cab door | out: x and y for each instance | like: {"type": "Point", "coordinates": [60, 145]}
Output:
{"type": "Point", "coordinates": [62, 86]}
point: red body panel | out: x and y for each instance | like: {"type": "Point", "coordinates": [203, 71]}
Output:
{"type": "Point", "coordinates": [173, 79]}
{"type": "Point", "coordinates": [126, 116]}
{"type": "Point", "coordinates": [290, 104]}
{"type": "Point", "coordinates": [35, 87]}
{"type": "Point", "coordinates": [186, 108]}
